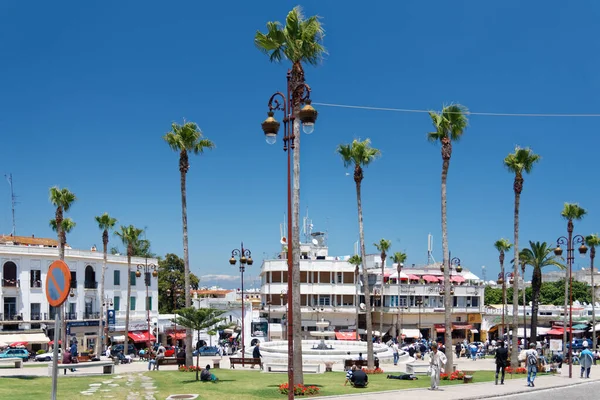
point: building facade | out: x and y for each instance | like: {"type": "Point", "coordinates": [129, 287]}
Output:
{"type": "Point", "coordinates": [25, 311]}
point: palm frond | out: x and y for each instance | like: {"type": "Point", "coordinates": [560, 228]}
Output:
{"type": "Point", "coordinates": [502, 245]}
{"type": "Point", "coordinates": [592, 240]}
{"type": "Point", "coordinates": [355, 260]}
{"type": "Point", "coordinates": [399, 257]}
{"type": "Point", "coordinates": [67, 225]}
{"type": "Point", "coordinates": [522, 160]}
{"type": "Point", "coordinates": [572, 211]}
{"type": "Point", "coordinates": [62, 198]}
{"type": "Point", "coordinates": [383, 245]}
{"type": "Point", "coordinates": [105, 221]}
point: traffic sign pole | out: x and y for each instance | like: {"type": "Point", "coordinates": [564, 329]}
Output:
{"type": "Point", "coordinates": [57, 321]}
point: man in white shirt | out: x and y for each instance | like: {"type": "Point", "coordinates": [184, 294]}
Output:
{"type": "Point", "coordinates": [396, 352]}
{"type": "Point", "coordinates": [437, 362]}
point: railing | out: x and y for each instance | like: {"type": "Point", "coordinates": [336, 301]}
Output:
{"type": "Point", "coordinates": [11, 317]}
{"type": "Point", "coordinates": [71, 316]}
{"type": "Point", "coordinates": [39, 316]}
{"type": "Point", "coordinates": [91, 315]}
{"type": "Point", "coordinates": [36, 284]}
{"type": "Point", "coordinates": [53, 252]}
{"type": "Point", "coordinates": [11, 282]}
{"type": "Point", "coordinates": [90, 285]}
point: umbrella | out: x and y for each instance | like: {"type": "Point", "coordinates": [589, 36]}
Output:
{"type": "Point", "coordinates": [52, 342]}
{"type": "Point", "coordinates": [18, 344]}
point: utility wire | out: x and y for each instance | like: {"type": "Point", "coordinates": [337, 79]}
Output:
{"type": "Point", "coordinates": [486, 114]}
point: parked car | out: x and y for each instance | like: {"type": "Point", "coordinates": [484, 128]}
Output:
{"type": "Point", "coordinates": [48, 356]}
{"type": "Point", "coordinates": [577, 344]}
{"type": "Point", "coordinates": [169, 350]}
{"type": "Point", "coordinates": [207, 351]}
{"type": "Point", "coordinates": [15, 353]}
{"type": "Point", "coordinates": [131, 350]}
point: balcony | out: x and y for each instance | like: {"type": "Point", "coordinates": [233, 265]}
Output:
{"type": "Point", "coordinates": [90, 285]}
{"type": "Point", "coordinates": [39, 316]}
{"type": "Point", "coordinates": [11, 317]}
{"type": "Point", "coordinates": [8, 283]}
{"type": "Point", "coordinates": [71, 316]}
{"type": "Point", "coordinates": [93, 315]}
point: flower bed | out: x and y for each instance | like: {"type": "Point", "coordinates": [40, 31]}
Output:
{"type": "Point", "coordinates": [299, 389]}
{"type": "Point", "coordinates": [191, 368]}
{"type": "Point", "coordinates": [456, 375]}
{"type": "Point", "coordinates": [373, 371]}
{"type": "Point", "coordinates": [519, 370]}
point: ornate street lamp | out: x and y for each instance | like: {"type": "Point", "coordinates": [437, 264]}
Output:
{"type": "Point", "coordinates": [245, 258]}
{"type": "Point", "coordinates": [150, 270]}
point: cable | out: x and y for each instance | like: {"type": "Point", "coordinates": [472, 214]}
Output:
{"type": "Point", "coordinates": [486, 114]}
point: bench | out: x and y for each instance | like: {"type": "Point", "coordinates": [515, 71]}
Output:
{"type": "Point", "coordinates": [108, 367]}
{"type": "Point", "coordinates": [85, 358]}
{"type": "Point", "coordinates": [283, 367]}
{"type": "Point", "coordinates": [245, 360]}
{"type": "Point", "coordinates": [417, 368]}
{"type": "Point", "coordinates": [18, 362]}
{"type": "Point", "coordinates": [468, 378]}
{"type": "Point", "coordinates": [168, 361]}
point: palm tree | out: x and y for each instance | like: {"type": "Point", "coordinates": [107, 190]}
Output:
{"type": "Point", "coordinates": [130, 236]}
{"type": "Point", "coordinates": [356, 261]}
{"type": "Point", "coordinates": [592, 241]}
{"type": "Point", "coordinates": [67, 226]}
{"type": "Point", "coordinates": [361, 154]}
{"type": "Point", "coordinates": [538, 256]}
{"type": "Point", "coordinates": [383, 246]}
{"type": "Point", "coordinates": [300, 42]}
{"type": "Point", "coordinates": [449, 127]}
{"type": "Point", "coordinates": [185, 139]}
{"type": "Point", "coordinates": [62, 199]}
{"type": "Point", "coordinates": [105, 223]}
{"type": "Point", "coordinates": [199, 319]}
{"type": "Point", "coordinates": [503, 245]}
{"type": "Point", "coordinates": [399, 258]}
{"type": "Point", "coordinates": [570, 212]}
{"type": "Point", "coordinates": [522, 160]}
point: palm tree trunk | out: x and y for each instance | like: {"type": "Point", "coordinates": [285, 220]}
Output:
{"type": "Point", "coordinates": [446, 260]}
{"type": "Point", "coordinates": [365, 278]}
{"type": "Point", "coordinates": [99, 341]}
{"type": "Point", "coordinates": [183, 167]}
{"type": "Point", "coordinates": [592, 256]}
{"type": "Point", "coordinates": [536, 286]}
{"type": "Point", "coordinates": [514, 355]}
{"type": "Point", "coordinates": [525, 341]}
{"type": "Point", "coordinates": [296, 295]}
{"type": "Point", "coordinates": [566, 312]}
{"type": "Point", "coordinates": [126, 344]}
{"type": "Point", "coordinates": [58, 216]}
{"type": "Point", "coordinates": [356, 277]}
{"type": "Point", "coordinates": [399, 332]}
{"type": "Point", "coordinates": [381, 297]}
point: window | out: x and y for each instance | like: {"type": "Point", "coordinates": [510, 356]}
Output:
{"type": "Point", "coordinates": [117, 303]}
{"type": "Point", "coordinates": [10, 308]}
{"type": "Point", "coordinates": [149, 303]}
{"type": "Point", "coordinates": [324, 300]}
{"type": "Point", "coordinates": [74, 279]}
{"type": "Point", "coordinates": [474, 301]}
{"type": "Point", "coordinates": [35, 311]}
{"type": "Point", "coordinates": [72, 314]}
{"type": "Point", "coordinates": [35, 277]}
{"type": "Point", "coordinates": [132, 304]}
{"type": "Point", "coordinates": [53, 312]}
{"type": "Point", "coordinates": [132, 278]}
{"type": "Point", "coordinates": [117, 278]}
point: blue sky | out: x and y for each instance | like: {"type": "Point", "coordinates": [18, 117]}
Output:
{"type": "Point", "coordinates": [89, 88]}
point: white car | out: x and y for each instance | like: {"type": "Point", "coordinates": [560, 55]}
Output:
{"type": "Point", "coordinates": [47, 356]}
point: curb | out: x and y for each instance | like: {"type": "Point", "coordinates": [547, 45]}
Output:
{"type": "Point", "coordinates": [529, 390]}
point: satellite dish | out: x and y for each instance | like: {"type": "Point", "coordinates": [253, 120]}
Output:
{"type": "Point", "coordinates": [362, 306]}
{"type": "Point", "coordinates": [315, 242]}
{"type": "Point", "coordinates": [283, 240]}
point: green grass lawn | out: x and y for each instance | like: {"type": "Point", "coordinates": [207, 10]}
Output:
{"type": "Point", "coordinates": [232, 385]}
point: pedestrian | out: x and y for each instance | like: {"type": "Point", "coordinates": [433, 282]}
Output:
{"type": "Point", "coordinates": [501, 361]}
{"type": "Point", "coordinates": [256, 353]}
{"type": "Point", "coordinates": [532, 360]}
{"type": "Point", "coordinates": [437, 361]}
{"type": "Point", "coordinates": [586, 359]}
{"type": "Point", "coordinates": [396, 353]}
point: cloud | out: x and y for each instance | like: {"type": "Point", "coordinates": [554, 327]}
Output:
{"type": "Point", "coordinates": [219, 278]}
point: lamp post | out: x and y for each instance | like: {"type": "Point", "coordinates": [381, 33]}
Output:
{"type": "Point", "coordinates": [308, 115]}
{"type": "Point", "coordinates": [419, 303]}
{"type": "Point", "coordinates": [269, 319]}
{"type": "Point", "coordinates": [524, 307]}
{"type": "Point", "coordinates": [376, 297]}
{"type": "Point", "coordinates": [502, 277]}
{"type": "Point", "coordinates": [149, 270]}
{"type": "Point", "coordinates": [106, 303]}
{"type": "Point", "coordinates": [571, 242]}
{"type": "Point", "coordinates": [245, 257]}
{"type": "Point", "coordinates": [399, 270]}
{"type": "Point", "coordinates": [283, 301]}
{"type": "Point", "coordinates": [176, 293]}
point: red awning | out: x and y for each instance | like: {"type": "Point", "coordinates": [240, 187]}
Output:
{"type": "Point", "coordinates": [177, 336]}
{"type": "Point", "coordinates": [52, 342]}
{"type": "Point", "coordinates": [18, 344]}
{"type": "Point", "coordinates": [457, 279]}
{"type": "Point", "coordinates": [141, 336]}
{"type": "Point", "coordinates": [345, 335]}
{"type": "Point", "coordinates": [413, 277]}
{"type": "Point", "coordinates": [439, 328]}
{"type": "Point", "coordinates": [465, 326]}
{"type": "Point", "coordinates": [430, 278]}
{"type": "Point", "coordinates": [555, 331]}
{"type": "Point", "coordinates": [387, 274]}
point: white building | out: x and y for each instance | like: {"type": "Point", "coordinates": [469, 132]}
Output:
{"type": "Point", "coordinates": [330, 289]}
{"type": "Point", "coordinates": [24, 310]}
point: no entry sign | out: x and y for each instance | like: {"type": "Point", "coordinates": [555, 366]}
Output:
{"type": "Point", "coordinates": [58, 283]}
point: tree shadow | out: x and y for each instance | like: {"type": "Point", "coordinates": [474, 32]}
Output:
{"type": "Point", "coordinates": [24, 377]}
{"type": "Point", "coordinates": [218, 381]}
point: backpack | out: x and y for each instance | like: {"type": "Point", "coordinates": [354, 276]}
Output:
{"type": "Point", "coordinates": [531, 359]}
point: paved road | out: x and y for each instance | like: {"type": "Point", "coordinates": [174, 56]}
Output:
{"type": "Point", "coordinates": [577, 392]}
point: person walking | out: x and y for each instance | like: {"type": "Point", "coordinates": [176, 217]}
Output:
{"type": "Point", "coordinates": [256, 353]}
{"type": "Point", "coordinates": [501, 361]}
{"type": "Point", "coordinates": [396, 352]}
{"type": "Point", "coordinates": [586, 359]}
{"type": "Point", "coordinates": [437, 361]}
{"type": "Point", "coordinates": [531, 357]}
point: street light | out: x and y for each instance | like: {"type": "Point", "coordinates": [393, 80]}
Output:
{"type": "Point", "coordinates": [399, 270]}
{"type": "Point", "coordinates": [571, 242]}
{"type": "Point", "coordinates": [419, 303]}
{"type": "Point", "coordinates": [176, 293]}
{"type": "Point", "coordinates": [106, 303]}
{"type": "Point", "coordinates": [149, 270]}
{"type": "Point", "coordinates": [454, 265]}
{"type": "Point", "coordinates": [297, 95]}
{"type": "Point", "coordinates": [245, 257]}
{"type": "Point", "coordinates": [502, 277]}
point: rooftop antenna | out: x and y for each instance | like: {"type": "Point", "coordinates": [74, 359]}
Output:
{"type": "Point", "coordinates": [12, 200]}
{"type": "Point", "coordinates": [430, 259]}
{"type": "Point", "coordinates": [307, 227]}
{"type": "Point", "coordinates": [483, 272]}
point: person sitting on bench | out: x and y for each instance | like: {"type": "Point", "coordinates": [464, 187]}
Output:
{"type": "Point", "coordinates": [404, 377]}
{"type": "Point", "coordinates": [359, 378]}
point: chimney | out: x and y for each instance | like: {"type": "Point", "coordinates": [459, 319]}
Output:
{"type": "Point", "coordinates": [33, 236]}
